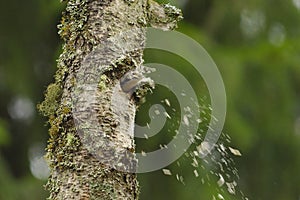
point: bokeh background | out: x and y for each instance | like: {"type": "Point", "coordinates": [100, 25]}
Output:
{"type": "Point", "coordinates": [255, 44]}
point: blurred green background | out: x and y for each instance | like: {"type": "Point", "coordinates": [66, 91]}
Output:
{"type": "Point", "coordinates": [256, 46]}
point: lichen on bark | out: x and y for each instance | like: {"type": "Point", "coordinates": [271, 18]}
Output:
{"type": "Point", "coordinates": [76, 173]}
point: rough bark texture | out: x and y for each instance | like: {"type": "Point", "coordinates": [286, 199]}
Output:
{"type": "Point", "coordinates": [77, 170]}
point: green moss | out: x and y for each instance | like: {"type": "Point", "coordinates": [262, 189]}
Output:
{"type": "Point", "coordinates": [52, 100]}
{"type": "Point", "coordinates": [70, 139]}
{"type": "Point", "coordinates": [102, 82]}
{"type": "Point", "coordinates": [62, 157]}
{"type": "Point", "coordinates": [73, 20]}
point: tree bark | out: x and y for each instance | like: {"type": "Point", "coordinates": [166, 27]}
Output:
{"type": "Point", "coordinates": [91, 146]}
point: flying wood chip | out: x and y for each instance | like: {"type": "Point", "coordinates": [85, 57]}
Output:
{"type": "Point", "coordinates": [235, 152]}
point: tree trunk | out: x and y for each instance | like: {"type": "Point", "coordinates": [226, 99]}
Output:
{"type": "Point", "coordinates": [91, 145]}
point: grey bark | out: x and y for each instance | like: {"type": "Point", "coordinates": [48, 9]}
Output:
{"type": "Point", "coordinates": [86, 136]}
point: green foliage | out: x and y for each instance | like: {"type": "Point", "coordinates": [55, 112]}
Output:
{"type": "Point", "coordinates": [261, 75]}
{"type": "Point", "coordinates": [259, 63]}
{"type": "Point", "coordinates": [4, 133]}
